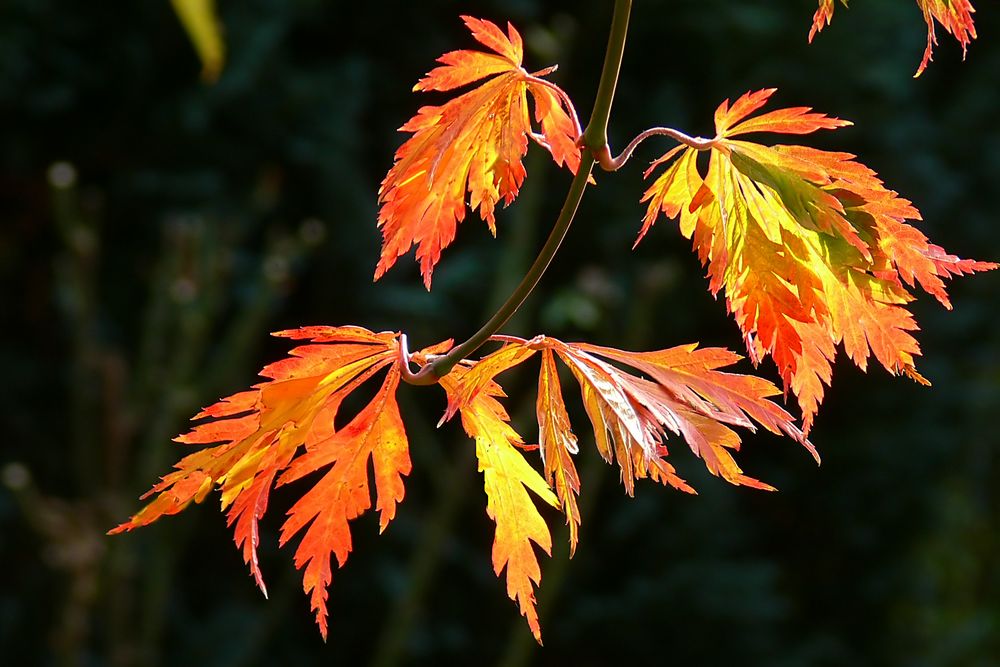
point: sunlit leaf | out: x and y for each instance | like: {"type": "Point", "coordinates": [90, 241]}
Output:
{"type": "Point", "coordinates": [633, 417]}
{"type": "Point", "coordinates": [955, 16]}
{"type": "Point", "coordinates": [283, 430]}
{"type": "Point", "coordinates": [470, 149]}
{"type": "Point", "coordinates": [507, 478]}
{"type": "Point", "coordinates": [810, 248]}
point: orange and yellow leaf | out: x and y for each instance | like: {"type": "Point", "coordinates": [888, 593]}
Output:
{"type": "Point", "coordinates": [955, 16]}
{"type": "Point", "coordinates": [284, 429]}
{"type": "Point", "coordinates": [632, 416]}
{"type": "Point", "coordinates": [507, 478]}
{"type": "Point", "coordinates": [823, 17]}
{"type": "Point", "coordinates": [557, 444]}
{"type": "Point", "coordinates": [376, 434]}
{"type": "Point", "coordinates": [470, 148]}
{"type": "Point", "coordinates": [811, 249]}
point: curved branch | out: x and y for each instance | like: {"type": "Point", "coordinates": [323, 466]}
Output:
{"type": "Point", "coordinates": [608, 163]}
{"type": "Point", "coordinates": [423, 377]}
{"type": "Point", "coordinates": [438, 368]}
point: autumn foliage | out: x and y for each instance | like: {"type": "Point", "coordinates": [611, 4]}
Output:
{"type": "Point", "coordinates": [955, 16]}
{"type": "Point", "coordinates": [810, 249]}
{"type": "Point", "coordinates": [283, 430]}
{"type": "Point", "coordinates": [472, 144]}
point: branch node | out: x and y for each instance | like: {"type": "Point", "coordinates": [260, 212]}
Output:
{"type": "Point", "coordinates": [423, 377]}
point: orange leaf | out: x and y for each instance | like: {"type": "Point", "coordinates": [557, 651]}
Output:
{"type": "Point", "coordinates": [480, 377]}
{"type": "Point", "coordinates": [810, 247]}
{"type": "Point", "coordinates": [954, 15]}
{"type": "Point", "coordinates": [557, 444]}
{"type": "Point", "coordinates": [285, 426]}
{"type": "Point", "coordinates": [342, 494]}
{"type": "Point", "coordinates": [686, 397]}
{"type": "Point", "coordinates": [472, 144]}
{"type": "Point", "coordinates": [507, 478]}
{"type": "Point", "coordinates": [822, 17]}
{"type": "Point", "coordinates": [632, 417]}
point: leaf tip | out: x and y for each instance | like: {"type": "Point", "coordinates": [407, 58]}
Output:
{"type": "Point", "coordinates": [812, 450]}
{"type": "Point", "coordinates": [913, 374]}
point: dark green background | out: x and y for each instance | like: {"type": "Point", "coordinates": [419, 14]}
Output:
{"type": "Point", "coordinates": [200, 217]}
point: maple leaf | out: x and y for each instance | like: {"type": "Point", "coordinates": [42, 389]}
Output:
{"type": "Point", "coordinates": [954, 15]}
{"type": "Point", "coordinates": [557, 444]}
{"type": "Point", "coordinates": [810, 247]}
{"type": "Point", "coordinates": [507, 478]}
{"type": "Point", "coordinates": [632, 416]}
{"type": "Point", "coordinates": [282, 430]}
{"type": "Point", "coordinates": [473, 143]}
{"type": "Point", "coordinates": [822, 17]}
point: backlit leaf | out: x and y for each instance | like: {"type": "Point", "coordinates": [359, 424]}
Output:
{"type": "Point", "coordinates": [633, 417]}
{"type": "Point", "coordinates": [811, 249]}
{"type": "Point", "coordinates": [557, 444]}
{"type": "Point", "coordinates": [955, 16]}
{"type": "Point", "coordinates": [283, 430]}
{"type": "Point", "coordinates": [507, 478]}
{"type": "Point", "coordinates": [470, 148]}
{"type": "Point", "coordinates": [823, 16]}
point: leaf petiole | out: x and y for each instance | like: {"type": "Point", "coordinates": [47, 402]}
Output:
{"type": "Point", "coordinates": [608, 163]}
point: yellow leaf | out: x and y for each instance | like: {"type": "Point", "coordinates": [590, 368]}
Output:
{"type": "Point", "coordinates": [507, 478]}
{"type": "Point", "coordinates": [201, 22]}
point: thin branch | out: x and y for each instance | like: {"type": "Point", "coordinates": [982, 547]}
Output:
{"type": "Point", "coordinates": [440, 367]}
{"type": "Point", "coordinates": [603, 154]}
{"type": "Point", "coordinates": [424, 376]}
{"type": "Point", "coordinates": [594, 136]}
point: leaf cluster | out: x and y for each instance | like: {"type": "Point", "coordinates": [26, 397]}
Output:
{"type": "Point", "coordinates": [810, 249]}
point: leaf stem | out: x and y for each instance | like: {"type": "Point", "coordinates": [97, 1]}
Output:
{"type": "Point", "coordinates": [593, 138]}
{"type": "Point", "coordinates": [609, 163]}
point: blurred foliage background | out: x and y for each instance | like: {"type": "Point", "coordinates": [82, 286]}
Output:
{"type": "Point", "coordinates": [155, 226]}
